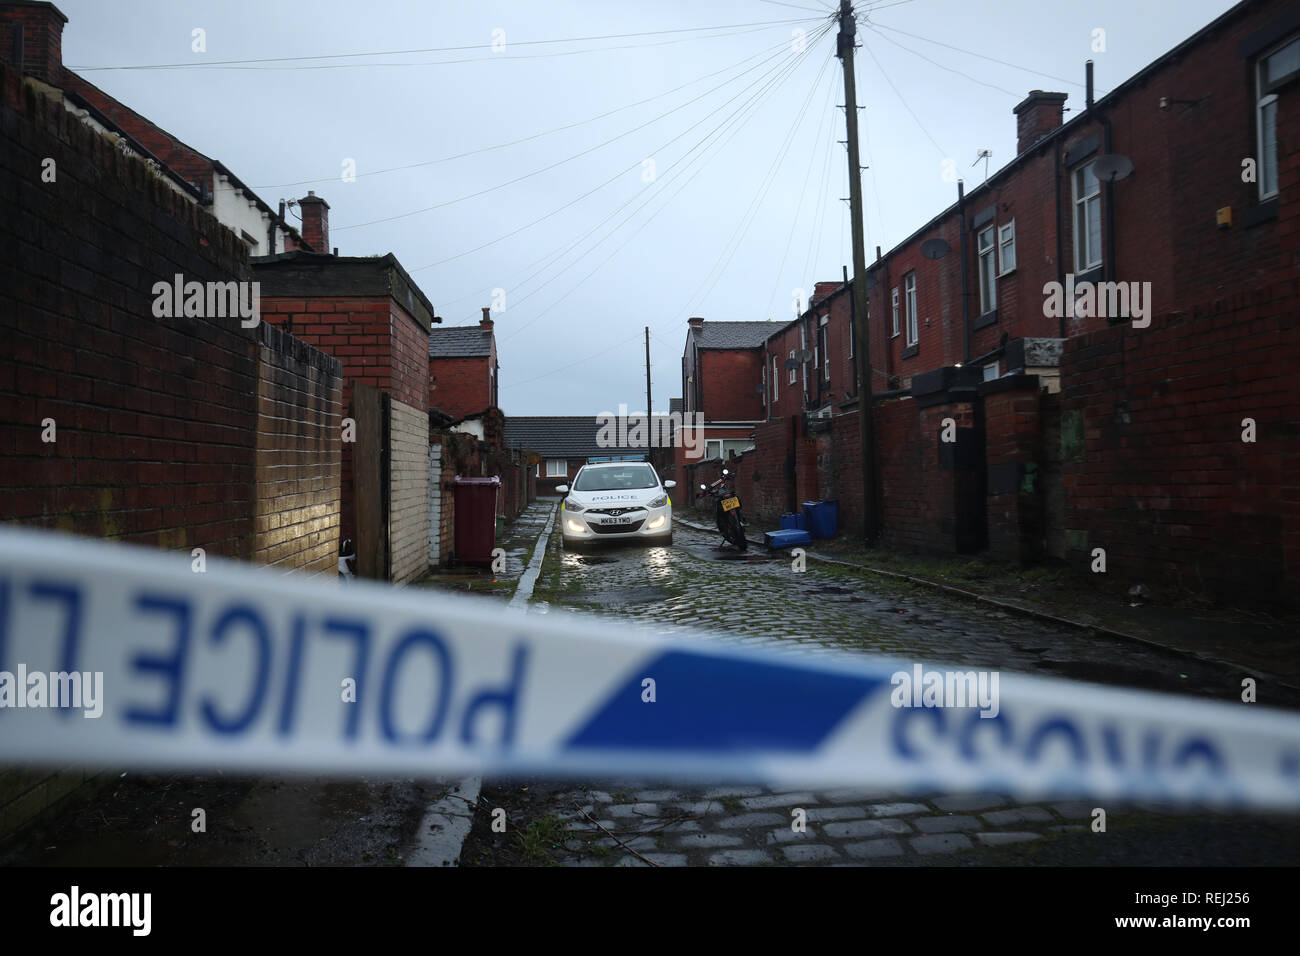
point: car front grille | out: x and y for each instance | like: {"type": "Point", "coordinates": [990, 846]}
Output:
{"type": "Point", "coordinates": [614, 511]}
{"type": "Point", "coordinates": [617, 529]}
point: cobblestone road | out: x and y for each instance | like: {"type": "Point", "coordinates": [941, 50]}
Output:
{"type": "Point", "coordinates": [758, 598]}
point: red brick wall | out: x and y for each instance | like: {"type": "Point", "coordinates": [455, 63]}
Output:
{"type": "Point", "coordinates": [155, 417]}
{"type": "Point", "coordinates": [410, 359]}
{"type": "Point", "coordinates": [730, 377]}
{"type": "Point", "coordinates": [1013, 446]}
{"type": "Point", "coordinates": [1155, 468]}
{"type": "Point", "coordinates": [460, 386]}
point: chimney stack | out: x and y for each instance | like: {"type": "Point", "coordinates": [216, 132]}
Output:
{"type": "Point", "coordinates": [315, 222]}
{"type": "Point", "coordinates": [485, 323]}
{"type": "Point", "coordinates": [695, 322]}
{"type": "Point", "coordinates": [1037, 115]}
{"type": "Point", "coordinates": [31, 40]}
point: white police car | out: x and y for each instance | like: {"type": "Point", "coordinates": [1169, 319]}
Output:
{"type": "Point", "coordinates": [616, 501]}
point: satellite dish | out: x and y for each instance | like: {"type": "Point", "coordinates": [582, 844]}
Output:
{"type": "Point", "coordinates": [791, 363]}
{"type": "Point", "coordinates": [935, 248]}
{"type": "Point", "coordinates": [761, 389]}
{"type": "Point", "coordinates": [1112, 167]}
{"type": "Point", "coordinates": [804, 355]}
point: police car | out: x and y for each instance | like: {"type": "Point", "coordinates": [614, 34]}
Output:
{"type": "Point", "coordinates": [616, 501]}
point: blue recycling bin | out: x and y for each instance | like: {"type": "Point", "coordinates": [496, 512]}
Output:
{"type": "Point", "coordinates": [828, 514]}
{"type": "Point", "coordinates": [809, 509]}
{"type": "Point", "coordinates": [823, 518]}
{"type": "Point", "coordinates": [793, 522]}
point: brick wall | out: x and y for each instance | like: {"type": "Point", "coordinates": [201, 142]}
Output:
{"type": "Point", "coordinates": [459, 386]}
{"type": "Point", "coordinates": [435, 500]}
{"type": "Point", "coordinates": [729, 378]}
{"type": "Point", "coordinates": [408, 508]}
{"type": "Point", "coordinates": [299, 455]}
{"type": "Point", "coordinates": [1155, 468]}
{"type": "Point", "coordinates": [1013, 455]}
{"type": "Point", "coordinates": [155, 417]}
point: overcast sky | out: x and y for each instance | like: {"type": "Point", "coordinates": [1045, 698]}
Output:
{"type": "Point", "coordinates": [738, 209]}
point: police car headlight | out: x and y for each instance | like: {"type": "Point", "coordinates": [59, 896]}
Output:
{"type": "Point", "coordinates": [571, 505]}
{"type": "Point", "coordinates": [658, 502]}
{"type": "Point", "coordinates": [657, 522]}
{"type": "Point", "coordinates": [576, 528]}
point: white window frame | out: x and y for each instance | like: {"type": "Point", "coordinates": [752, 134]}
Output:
{"type": "Point", "coordinates": [895, 300]}
{"type": "Point", "coordinates": [988, 269]}
{"type": "Point", "coordinates": [1266, 96]}
{"type": "Point", "coordinates": [562, 473]}
{"type": "Point", "coordinates": [776, 378]}
{"type": "Point", "coordinates": [1007, 248]}
{"type": "Point", "coordinates": [909, 300]}
{"type": "Point", "coordinates": [794, 370]}
{"type": "Point", "coordinates": [1084, 202]}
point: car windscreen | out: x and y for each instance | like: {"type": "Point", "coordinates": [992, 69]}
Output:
{"type": "Point", "coordinates": [615, 479]}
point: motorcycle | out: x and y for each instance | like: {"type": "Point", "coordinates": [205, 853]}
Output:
{"type": "Point", "coordinates": [727, 510]}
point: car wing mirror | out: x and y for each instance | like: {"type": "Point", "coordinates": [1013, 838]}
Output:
{"type": "Point", "coordinates": [562, 489]}
{"type": "Point", "coordinates": [670, 484]}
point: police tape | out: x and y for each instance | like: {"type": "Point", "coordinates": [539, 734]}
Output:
{"type": "Point", "coordinates": [244, 668]}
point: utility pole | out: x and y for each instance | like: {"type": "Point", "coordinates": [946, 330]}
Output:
{"type": "Point", "coordinates": [862, 355]}
{"type": "Point", "coordinates": [648, 406]}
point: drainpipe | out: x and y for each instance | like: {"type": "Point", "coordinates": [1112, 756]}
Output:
{"type": "Point", "coordinates": [965, 298]}
{"type": "Point", "coordinates": [1060, 242]}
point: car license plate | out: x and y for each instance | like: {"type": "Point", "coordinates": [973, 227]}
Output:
{"type": "Point", "coordinates": [730, 504]}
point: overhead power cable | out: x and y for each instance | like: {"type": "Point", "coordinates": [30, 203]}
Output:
{"type": "Point", "coordinates": [526, 139]}
{"type": "Point", "coordinates": [191, 64]}
{"type": "Point", "coordinates": [598, 187]}
{"type": "Point", "coordinates": [982, 56]}
{"type": "Point", "coordinates": [568, 159]}
{"type": "Point", "coordinates": [732, 120]}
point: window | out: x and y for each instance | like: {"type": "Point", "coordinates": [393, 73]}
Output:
{"type": "Point", "coordinates": [794, 375]}
{"type": "Point", "coordinates": [615, 478]}
{"type": "Point", "coordinates": [909, 295]}
{"type": "Point", "coordinates": [987, 270]}
{"type": "Point", "coordinates": [895, 298]}
{"type": "Point", "coordinates": [991, 372]}
{"type": "Point", "coordinates": [1274, 70]}
{"type": "Point", "coordinates": [557, 468]}
{"type": "Point", "coordinates": [776, 381]}
{"type": "Point", "coordinates": [723, 447]}
{"type": "Point", "coordinates": [1007, 248]}
{"type": "Point", "coordinates": [823, 349]}
{"type": "Point", "coordinates": [1087, 219]}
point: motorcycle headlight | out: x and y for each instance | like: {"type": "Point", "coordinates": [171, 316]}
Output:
{"type": "Point", "coordinates": [658, 502]}
{"type": "Point", "coordinates": [571, 505]}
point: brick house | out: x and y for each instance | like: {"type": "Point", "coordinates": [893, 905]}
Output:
{"type": "Point", "coordinates": [723, 382]}
{"type": "Point", "coordinates": [557, 446]}
{"type": "Point", "coordinates": [463, 368]}
{"type": "Point", "coordinates": [1092, 325]}
{"type": "Point", "coordinates": [369, 314]}
{"type": "Point", "coordinates": [31, 41]}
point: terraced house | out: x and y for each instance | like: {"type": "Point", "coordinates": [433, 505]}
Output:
{"type": "Point", "coordinates": [1076, 343]}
